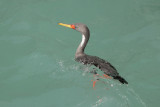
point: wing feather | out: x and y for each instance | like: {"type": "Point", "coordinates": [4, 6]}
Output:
{"type": "Point", "coordinates": [103, 65]}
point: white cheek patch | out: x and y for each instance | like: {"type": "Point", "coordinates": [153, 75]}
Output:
{"type": "Point", "coordinates": [83, 39]}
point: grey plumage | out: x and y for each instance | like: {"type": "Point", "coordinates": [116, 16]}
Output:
{"type": "Point", "coordinates": [103, 65]}
{"type": "Point", "coordinates": [80, 56]}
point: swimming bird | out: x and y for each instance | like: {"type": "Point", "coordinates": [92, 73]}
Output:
{"type": "Point", "coordinates": [81, 57]}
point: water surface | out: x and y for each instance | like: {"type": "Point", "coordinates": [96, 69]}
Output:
{"type": "Point", "coordinates": [37, 67]}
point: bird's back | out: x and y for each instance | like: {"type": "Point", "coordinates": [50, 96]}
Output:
{"type": "Point", "coordinates": [103, 65]}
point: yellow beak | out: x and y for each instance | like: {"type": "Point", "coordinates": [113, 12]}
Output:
{"type": "Point", "coordinates": [66, 25]}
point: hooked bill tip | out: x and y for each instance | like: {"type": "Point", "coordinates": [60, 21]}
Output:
{"type": "Point", "coordinates": [59, 23]}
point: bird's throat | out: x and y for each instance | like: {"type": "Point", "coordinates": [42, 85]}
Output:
{"type": "Point", "coordinates": [82, 45]}
{"type": "Point", "coordinates": [83, 40]}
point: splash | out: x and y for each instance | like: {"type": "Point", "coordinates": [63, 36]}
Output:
{"type": "Point", "coordinates": [100, 101]}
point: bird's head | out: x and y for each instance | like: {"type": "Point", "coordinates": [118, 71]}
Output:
{"type": "Point", "coordinates": [82, 28]}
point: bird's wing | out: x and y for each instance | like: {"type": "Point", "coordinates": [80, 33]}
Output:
{"type": "Point", "coordinates": [103, 65]}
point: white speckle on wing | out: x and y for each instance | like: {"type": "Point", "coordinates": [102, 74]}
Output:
{"type": "Point", "coordinates": [83, 39]}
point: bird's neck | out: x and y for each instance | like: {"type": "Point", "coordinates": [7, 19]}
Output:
{"type": "Point", "coordinates": [82, 45]}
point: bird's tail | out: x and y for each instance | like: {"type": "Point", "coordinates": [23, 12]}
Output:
{"type": "Point", "coordinates": [122, 80]}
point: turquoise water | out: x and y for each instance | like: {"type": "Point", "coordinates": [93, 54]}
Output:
{"type": "Point", "coordinates": [37, 67]}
